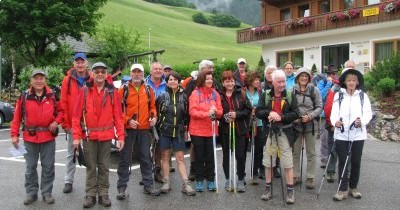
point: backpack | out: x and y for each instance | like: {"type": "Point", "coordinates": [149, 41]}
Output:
{"type": "Point", "coordinates": [24, 97]}
{"type": "Point", "coordinates": [289, 98]}
{"type": "Point", "coordinates": [361, 100]}
{"type": "Point", "coordinates": [214, 96]}
{"type": "Point", "coordinates": [126, 94]}
{"type": "Point", "coordinates": [311, 95]}
{"type": "Point", "coordinates": [315, 80]}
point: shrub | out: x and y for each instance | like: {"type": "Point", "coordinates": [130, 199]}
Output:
{"type": "Point", "coordinates": [388, 68]}
{"type": "Point", "coordinates": [53, 79]}
{"type": "Point", "coordinates": [222, 20]}
{"type": "Point", "coordinates": [386, 86]}
{"type": "Point", "coordinates": [177, 3]}
{"type": "Point", "coordinates": [369, 82]}
{"type": "Point", "coordinates": [200, 18]}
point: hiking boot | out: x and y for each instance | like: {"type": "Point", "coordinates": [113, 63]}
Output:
{"type": "Point", "coordinates": [67, 188]}
{"type": "Point", "coordinates": [290, 197]}
{"type": "Point", "coordinates": [277, 173]}
{"type": "Point", "coordinates": [151, 190]}
{"type": "Point", "coordinates": [330, 177]}
{"type": "Point", "coordinates": [199, 186]}
{"type": "Point", "coordinates": [47, 198]}
{"type": "Point", "coordinates": [254, 181]}
{"type": "Point", "coordinates": [121, 193]}
{"type": "Point", "coordinates": [355, 193]}
{"type": "Point", "coordinates": [187, 188]}
{"type": "Point", "coordinates": [323, 164]}
{"type": "Point", "coordinates": [267, 195]}
{"type": "Point", "coordinates": [240, 186]}
{"type": "Point", "coordinates": [30, 199]}
{"type": "Point", "coordinates": [227, 188]}
{"type": "Point", "coordinates": [104, 200]}
{"type": "Point", "coordinates": [171, 169]}
{"type": "Point", "coordinates": [296, 180]}
{"type": "Point", "coordinates": [341, 195]}
{"type": "Point", "coordinates": [165, 188]}
{"type": "Point", "coordinates": [211, 186]}
{"type": "Point", "coordinates": [89, 201]}
{"type": "Point", "coordinates": [310, 183]}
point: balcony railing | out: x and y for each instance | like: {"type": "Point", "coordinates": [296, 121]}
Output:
{"type": "Point", "coordinates": [319, 23]}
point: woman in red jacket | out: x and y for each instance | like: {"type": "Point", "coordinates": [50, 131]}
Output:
{"type": "Point", "coordinates": [204, 104]}
{"type": "Point", "coordinates": [37, 110]}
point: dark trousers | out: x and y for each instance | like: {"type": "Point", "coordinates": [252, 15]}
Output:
{"type": "Point", "coordinates": [140, 140]}
{"type": "Point", "coordinates": [46, 152]}
{"type": "Point", "coordinates": [204, 151]}
{"type": "Point", "coordinates": [259, 143]}
{"type": "Point", "coordinates": [342, 149]}
{"type": "Point", "coordinates": [97, 156]}
{"type": "Point", "coordinates": [239, 154]}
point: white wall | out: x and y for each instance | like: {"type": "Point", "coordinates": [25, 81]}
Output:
{"type": "Point", "coordinates": [361, 45]}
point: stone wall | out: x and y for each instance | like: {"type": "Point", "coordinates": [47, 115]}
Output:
{"type": "Point", "coordinates": [385, 127]}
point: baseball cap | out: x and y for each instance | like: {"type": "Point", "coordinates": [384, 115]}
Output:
{"type": "Point", "coordinates": [99, 64]}
{"type": "Point", "coordinates": [137, 66]}
{"type": "Point", "coordinates": [241, 60]}
{"type": "Point", "coordinates": [167, 67]}
{"type": "Point", "coordinates": [38, 71]}
{"type": "Point", "coordinates": [80, 55]}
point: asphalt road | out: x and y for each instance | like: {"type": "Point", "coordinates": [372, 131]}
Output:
{"type": "Point", "coordinates": [379, 183]}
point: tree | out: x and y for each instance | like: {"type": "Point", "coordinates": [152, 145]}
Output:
{"type": "Point", "coordinates": [113, 44]}
{"type": "Point", "coordinates": [261, 65]}
{"type": "Point", "coordinates": [35, 28]}
{"type": "Point", "coordinates": [200, 18]}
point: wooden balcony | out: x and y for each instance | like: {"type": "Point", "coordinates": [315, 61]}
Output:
{"type": "Point", "coordinates": [319, 23]}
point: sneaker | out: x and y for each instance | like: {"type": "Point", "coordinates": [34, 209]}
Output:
{"type": "Point", "coordinates": [323, 164]}
{"type": "Point", "coordinates": [254, 181]}
{"type": "Point", "coordinates": [171, 169]}
{"type": "Point", "coordinates": [240, 186]}
{"type": "Point", "coordinates": [104, 200]}
{"type": "Point", "coordinates": [277, 174]}
{"type": "Point", "coordinates": [211, 186]}
{"type": "Point", "coordinates": [267, 195]}
{"type": "Point", "coordinates": [199, 186]}
{"type": "Point", "coordinates": [310, 183]}
{"type": "Point", "coordinates": [296, 180]}
{"type": "Point", "coordinates": [355, 193]}
{"type": "Point", "coordinates": [165, 188]}
{"type": "Point", "coordinates": [227, 188]}
{"type": "Point", "coordinates": [89, 201]}
{"type": "Point", "coordinates": [290, 197]}
{"type": "Point", "coordinates": [30, 199]}
{"type": "Point", "coordinates": [330, 177]}
{"type": "Point", "coordinates": [47, 198]}
{"type": "Point", "coordinates": [187, 189]}
{"type": "Point", "coordinates": [67, 188]}
{"type": "Point", "coordinates": [121, 193]}
{"type": "Point", "coordinates": [151, 190]}
{"type": "Point", "coordinates": [341, 195]}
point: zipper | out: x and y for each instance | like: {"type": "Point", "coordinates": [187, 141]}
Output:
{"type": "Point", "coordinates": [173, 96]}
{"type": "Point", "coordinates": [351, 97]}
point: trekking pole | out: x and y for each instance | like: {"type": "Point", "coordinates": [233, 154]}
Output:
{"type": "Point", "coordinates": [252, 149]}
{"type": "Point", "coordinates": [280, 168]}
{"type": "Point", "coordinates": [213, 118]}
{"type": "Point", "coordinates": [230, 157]}
{"type": "Point", "coordinates": [345, 166]}
{"type": "Point", "coordinates": [134, 117]}
{"type": "Point", "coordinates": [270, 153]}
{"type": "Point", "coordinates": [326, 168]}
{"type": "Point", "coordinates": [153, 151]}
{"type": "Point", "coordinates": [234, 156]}
{"type": "Point", "coordinates": [301, 158]}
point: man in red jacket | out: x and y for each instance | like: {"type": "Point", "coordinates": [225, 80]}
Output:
{"type": "Point", "coordinates": [37, 110]}
{"type": "Point", "coordinates": [97, 113]}
{"type": "Point", "coordinates": [76, 78]}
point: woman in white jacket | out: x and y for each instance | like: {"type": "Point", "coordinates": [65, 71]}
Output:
{"type": "Point", "coordinates": [351, 112]}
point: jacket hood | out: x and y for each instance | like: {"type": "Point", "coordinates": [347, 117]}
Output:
{"type": "Point", "coordinates": [303, 70]}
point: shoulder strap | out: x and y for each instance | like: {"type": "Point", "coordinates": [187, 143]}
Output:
{"type": "Point", "coordinates": [340, 99]}
{"type": "Point", "coordinates": [289, 96]}
{"type": "Point", "coordinates": [69, 84]}
{"type": "Point", "coordinates": [24, 96]}
{"type": "Point", "coordinates": [125, 94]}
{"type": "Point", "coordinates": [147, 88]}
{"type": "Point", "coordinates": [85, 93]}
{"type": "Point", "coordinates": [267, 96]}
{"type": "Point", "coordinates": [362, 102]}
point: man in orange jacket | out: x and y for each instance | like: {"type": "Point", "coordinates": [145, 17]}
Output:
{"type": "Point", "coordinates": [96, 119]}
{"type": "Point", "coordinates": [74, 80]}
{"type": "Point", "coordinates": [140, 114]}
{"type": "Point", "coordinates": [37, 110]}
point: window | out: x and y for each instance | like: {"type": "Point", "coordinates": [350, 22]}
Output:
{"type": "Point", "coordinates": [285, 14]}
{"type": "Point", "coordinates": [296, 56]}
{"type": "Point", "coordinates": [335, 54]}
{"type": "Point", "coordinates": [373, 2]}
{"type": "Point", "coordinates": [304, 10]}
{"type": "Point", "coordinates": [325, 6]}
{"type": "Point", "coordinates": [385, 49]}
{"type": "Point", "coordinates": [347, 4]}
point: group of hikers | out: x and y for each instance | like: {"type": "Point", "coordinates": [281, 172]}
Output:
{"type": "Point", "coordinates": [275, 117]}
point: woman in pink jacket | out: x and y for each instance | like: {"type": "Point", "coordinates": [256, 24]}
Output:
{"type": "Point", "coordinates": [204, 104]}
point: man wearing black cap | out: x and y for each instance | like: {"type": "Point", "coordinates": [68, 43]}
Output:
{"type": "Point", "coordinates": [74, 80]}
{"type": "Point", "coordinates": [36, 109]}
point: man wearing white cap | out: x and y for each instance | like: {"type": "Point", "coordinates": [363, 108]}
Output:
{"type": "Point", "coordinates": [240, 73]}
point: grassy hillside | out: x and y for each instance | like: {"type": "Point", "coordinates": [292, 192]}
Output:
{"type": "Point", "coordinates": [172, 29]}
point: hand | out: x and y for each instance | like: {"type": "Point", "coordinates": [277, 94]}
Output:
{"type": "Point", "coordinates": [53, 126]}
{"type": "Point", "coordinates": [232, 115]}
{"type": "Point", "coordinates": [211, 112]}
{"type": "Point", "coordinates": [305, 118]}
{"type": "Point", "coordinates": [338, 124]}
{"type": "Point", "coordinates": [76, 143]}
{"type": "Point", "coordinates": [152, 121]}
{"type": "Point", "coordinates": [67, 130]}
{"type": "Point", "coordinates": [357, 122]}
{"type": "Point", "coordinates": [133, 124]}
{"type": "Point", "coordinates": [330, 79]}
{"type": "Point", "coordinates": [15, 141]}
{"type": "Point", "coordinates": [273, 116]}
{"type": "Point", "coordinates": [253, 112]}
{"type": "Point", "coordinates": [120, 145]}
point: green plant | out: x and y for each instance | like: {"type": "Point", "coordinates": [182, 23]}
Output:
{"type": "Point", "coordinates": [314, 69]}
{"type": "Point", "coordinates": [387, 68]}
{"type": "Point", "coordinates": [261, 65]}
{"type": "Point", "coordinates": [222, 20]}
{"type": "Point", "coordinates": [54, 76]}
{"type": "Point", "coordinates": [386, 86]}
{"type": "Point", "coordinates": [369, 82]}
{"type": "Point", "coordinates": [200, 18]}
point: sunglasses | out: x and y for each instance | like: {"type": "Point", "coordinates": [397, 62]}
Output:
{"type": "Point", "coordinates": [100, 71]}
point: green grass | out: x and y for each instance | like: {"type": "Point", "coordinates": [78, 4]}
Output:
{"type": "Point", "coordinates": [172, 29]}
